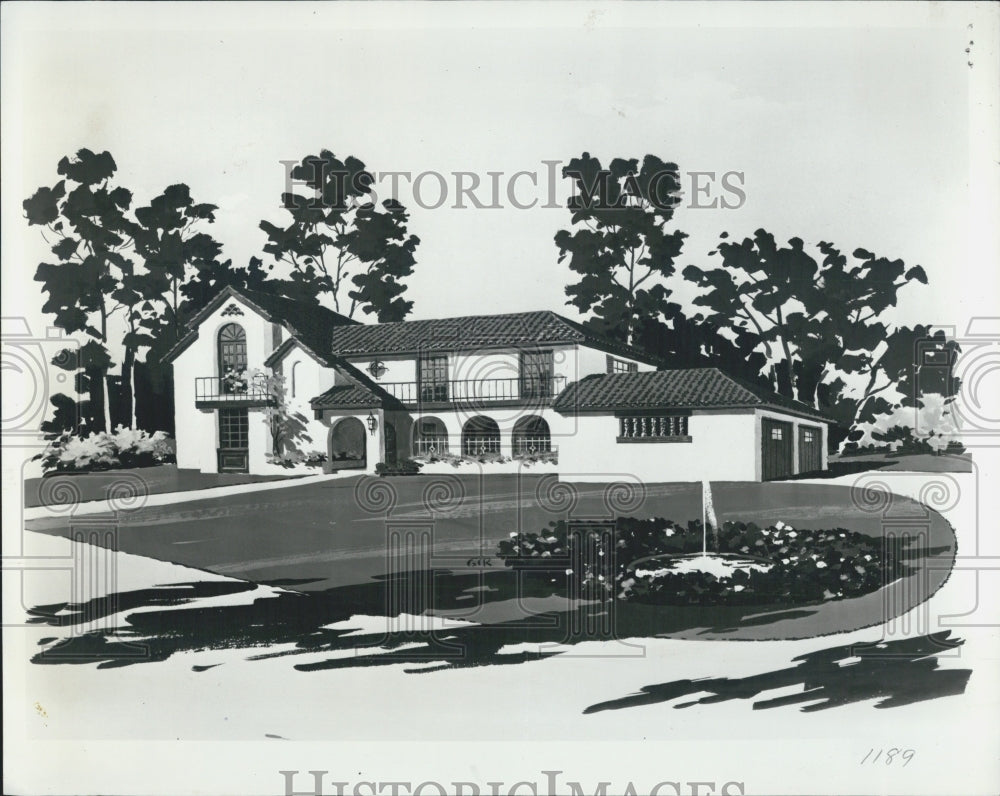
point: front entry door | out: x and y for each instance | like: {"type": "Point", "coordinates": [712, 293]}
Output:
{"type": "Point", "coordinates": [234, 448]}
{"type": "Point", "coordinates": [776, 449]}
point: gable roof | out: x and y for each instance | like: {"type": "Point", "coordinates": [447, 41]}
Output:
{"type": "Point", "coordinates": [308, 324]}
{"type": "Point", "coordinates": [542, 327]}
{"type": "Point", "coordinates": [691, 388]}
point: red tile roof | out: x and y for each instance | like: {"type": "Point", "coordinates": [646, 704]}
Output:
{"type": "Point", "coordinates": [692, 388]}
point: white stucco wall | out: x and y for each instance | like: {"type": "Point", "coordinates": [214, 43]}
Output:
{"type": "Point", "coordinates": [590, 361]}
{"type": "Point", "coordinates": [722, 448]}
{"type": "Point", "coordinates": [196, 430]}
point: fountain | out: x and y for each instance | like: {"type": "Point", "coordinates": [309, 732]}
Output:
{"type": "Point", "coordinates": [717, 563]}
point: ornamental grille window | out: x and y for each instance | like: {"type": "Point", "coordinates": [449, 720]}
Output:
{"type": "Point", "coordinates": [659, 427]}
{"type": "Point", "coordinates": [234, 427]}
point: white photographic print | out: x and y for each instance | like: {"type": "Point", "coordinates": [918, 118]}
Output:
{"type": "Point", "coordinates": [493, 399]}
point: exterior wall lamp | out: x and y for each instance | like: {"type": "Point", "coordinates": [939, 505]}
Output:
{"type": "Point", "coordinates": [372, 424]}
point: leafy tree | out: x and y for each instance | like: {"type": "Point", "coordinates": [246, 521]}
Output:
{"type": "Point", "coordinates": [170, 246]}
{"type": "Point", "coordinates": [85, 215]}
{"type": "Point", "coordinates": [810, 317]}
{"type": "Point", "coordinates": [339, 244]}
{"type": "Point", "coordinates": [619, 243]}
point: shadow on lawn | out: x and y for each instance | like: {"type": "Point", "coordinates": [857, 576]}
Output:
{"type": "Point", "coordinates": [174, 619]}
{"type": "Point", "coordinates": [895, 672]}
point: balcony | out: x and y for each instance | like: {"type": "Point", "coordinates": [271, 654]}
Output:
{"type": "Point", "coordinates": [523, 391]}
{"type": "Point", "coordinates": [232, 391]}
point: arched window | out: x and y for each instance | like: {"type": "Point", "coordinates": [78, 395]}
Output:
{"type": "Point", "coordinates": [480, 436]}
{"type": "Point", "coordinates": [232, 358]}
{"type": "Point", "coordinates": [294, 378]}
{"type": "Point", "coordinates": [430, 437]}
{"type": "Point", "coordinates": [530, 436]}
{"type": "Point", "coordinates": [232, 348]}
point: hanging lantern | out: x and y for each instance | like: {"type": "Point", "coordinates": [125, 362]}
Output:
{"type": "Point", "coordinates": [372, 424]}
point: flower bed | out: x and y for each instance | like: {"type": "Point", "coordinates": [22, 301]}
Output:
{"type": "Point", "coordinates": [125, 448]}
{"type": "Point", "coordinates": [656, 561]}
{"type": "Point", "coordinates": [291, 459]}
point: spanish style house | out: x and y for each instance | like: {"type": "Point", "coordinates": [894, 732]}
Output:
{"type": "Point", "coordinates": [263, 384]}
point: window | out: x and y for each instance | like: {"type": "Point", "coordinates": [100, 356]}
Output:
{"type": "Point", "coordinates": [433, 377]}
{"type": "Point", "coordinates": [775, 433]}
{"type": "Point", "coordinates": [536, 374]}
{"type": "Point", "coordinates": [430, 437]}
{"type": "Point", "coordinates": [234, 427]}
{"type": "Point", "coordinates": [530, 436]}
{"type": "Point", "coordinates": [480, 436]}
{"type": "Point", "coordinates": [295, 380]}
{"type": "Point", "coordinates": [616, 365]}
{"type": "Point", "coordinates": [653, 428]}
{"type": "Point", "coordinates": [808, 436]}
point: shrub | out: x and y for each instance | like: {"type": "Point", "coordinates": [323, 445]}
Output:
{"type": "Point", "coordinates": [124, 448]}
{"type": "Point", "coordinates": [401, 467]}
{"type": "Point", "coordinates": [542, 457]}
{"type": "Point", "coordinates": [295, 458]}
{"type": "Point", "coordinates": [794, 565]}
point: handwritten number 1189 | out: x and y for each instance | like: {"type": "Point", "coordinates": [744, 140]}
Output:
{"type": "Point", "coordinates": [887, 756]}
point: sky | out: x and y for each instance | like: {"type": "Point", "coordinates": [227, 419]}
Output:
{"type": "Point", "coordinates": [860, 133]}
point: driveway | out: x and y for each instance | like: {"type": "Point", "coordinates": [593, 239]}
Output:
{"type": "Point", "coordinates": [356, 532]}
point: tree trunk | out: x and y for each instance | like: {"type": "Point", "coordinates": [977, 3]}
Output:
{"type": "Point", "coordinates": [106, 399]}
{"type": "Point", "coordinates": [126, 402]}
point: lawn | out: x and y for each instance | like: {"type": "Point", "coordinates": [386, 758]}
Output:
{"type": "Point", "coordinates": [157, 480]}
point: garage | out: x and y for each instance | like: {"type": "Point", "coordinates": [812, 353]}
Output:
{"type": "Point", "coordinates": [776, 449]}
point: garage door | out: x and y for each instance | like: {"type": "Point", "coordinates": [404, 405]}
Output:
{"type": "Point", "coordinates": [810, 455]}
{"type": "Point", "coordinates": [776, 449]}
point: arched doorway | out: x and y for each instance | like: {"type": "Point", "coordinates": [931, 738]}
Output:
{"type": "Point", "coordinates": [430, 437]}
{"type": "Point", "coordinates": [232, 357]}
{"type": "Point", "coordinates": [530, 436]}
{"type": "Point", "coordinates": [480, 436]}
{"type": "Point", "coordinates": [347, 444]}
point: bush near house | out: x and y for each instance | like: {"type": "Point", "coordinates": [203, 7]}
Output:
{"type": "Point", "coordinates": [291, 459]}
{"type": "Point", "coordinates": [790, 566]}
{"type": "Point", "coordinates": [124, 448]}
{"type": "Point", "coordinates": [401, 467]}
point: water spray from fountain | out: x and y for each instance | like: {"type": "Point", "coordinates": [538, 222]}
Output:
{"type": "Point", "coordinates": [707, 516]}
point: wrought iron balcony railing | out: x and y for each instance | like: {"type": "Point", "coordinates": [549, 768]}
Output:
{"type": "Point", "coordinates": [241, 390]}
{"type": "Point", "coordinates": [526, 389]}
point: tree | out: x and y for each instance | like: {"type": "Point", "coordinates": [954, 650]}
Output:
{"type": "Point", "coordinates": [338, 238]}
{"type": "Point", "coordinates": [908, 375]}
{"type": "Point", "coordinates": [87, 221]}
{"type": "Point", "coordinates": [170, 246]}
{"type": "Point", "coordinates": [619, 243]}
{"type": "Point", "coordinates": [808, 315]}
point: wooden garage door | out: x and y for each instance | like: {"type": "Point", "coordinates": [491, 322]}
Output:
{"type": "Point", "coordinates": [810, 455]}
{"type": "Point", "coordinates": [776, 449]}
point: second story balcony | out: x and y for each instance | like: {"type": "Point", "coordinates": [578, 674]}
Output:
{"type": "Point", "coordinates": [515, 391]}
{"type": "Point", "coordinates": [232, 390]}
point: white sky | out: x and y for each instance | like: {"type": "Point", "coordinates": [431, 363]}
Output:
{"type": "Point", "coordinates": [854, 133]}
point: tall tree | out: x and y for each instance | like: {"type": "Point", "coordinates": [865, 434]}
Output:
{"type": "Point", "coordinates": [341, 247]}
{"type": "Point", "coordinates": [619, 243]}
{"type": "Point", "coordinates": [808, 315]}
{"type": "Point", "coordinates": [85, 217]}
{"type": "Point", "coordinates": [172, 248]}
